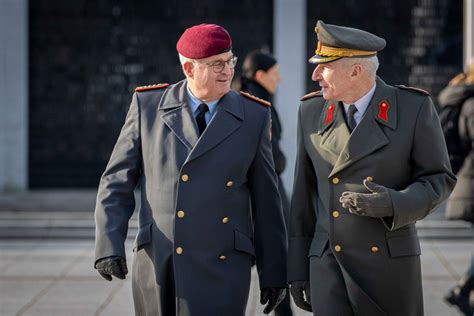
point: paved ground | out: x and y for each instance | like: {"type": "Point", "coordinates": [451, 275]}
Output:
{"type": "Point", "coordinates": [46, 257]}
{"type": "Point", "coordinates": [55, 277]}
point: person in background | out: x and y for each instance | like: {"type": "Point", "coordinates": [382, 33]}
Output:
{"type": "Point", "coordinates": [459, 96]}
{"type": "Point", "coordinates": [261, 77]}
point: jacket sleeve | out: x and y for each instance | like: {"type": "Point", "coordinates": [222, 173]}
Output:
{"type": "Point", "coordinates": [278, 155]}
{"type": "Point", "coordinates": [433, 179]}
{"type": "Point", "coordinates": [302, 213]}
{"type": "Point", "coordinates": [269, 228]}
{"type": "Point", "coordinates": [115, 199]}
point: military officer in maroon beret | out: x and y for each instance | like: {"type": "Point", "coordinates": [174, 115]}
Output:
{"type": "Point", "coordinates": [210, 207]}
{"type": "Point", "coordinates": [371, 161]}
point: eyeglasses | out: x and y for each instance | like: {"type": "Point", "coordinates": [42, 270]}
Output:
{"type": "Point", "coordinates": [218, 66]}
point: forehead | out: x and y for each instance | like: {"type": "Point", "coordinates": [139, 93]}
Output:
{"type": "Point", "coordinates": [334, 65]}
{"type": "Point", "coordinates": [223, 56]}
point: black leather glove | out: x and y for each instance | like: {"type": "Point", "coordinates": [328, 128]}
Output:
{"type": "Point", "coordinates": [299, 290]}
{"type": "Point", "coordinates": [109, 266]}
{"type": "Point", "coordinates": [375, 204]}
{"type": "Point", "coordinates": [272, 295]}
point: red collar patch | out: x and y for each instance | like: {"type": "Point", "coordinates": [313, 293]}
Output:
{"type": "Point", "coordinates": [383, 110]}
{"type": "Point", "coordinates": [329, 113]}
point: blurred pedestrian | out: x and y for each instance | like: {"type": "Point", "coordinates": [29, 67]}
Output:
{"type": "Point", "coordinates": [207, 210]}
{"type": "Point", "coordinates": [371, 161]}
{"type": "Point", "coordinates": [261, 77]}
{"type": "Point", "coordinates": [458, 98]}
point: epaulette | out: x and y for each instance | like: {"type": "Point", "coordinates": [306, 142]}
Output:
{"type": "Point", "coordinates": [424, 92]}
{"type": "Point", "coordinates": [312, 95]}
{"type": "Point", "coordinates": [151, 87]}
{"type": "Point", "coordinates": [254, 98]}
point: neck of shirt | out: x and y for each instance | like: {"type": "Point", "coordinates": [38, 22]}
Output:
{"type": "Point", "coordinates": [361, 104]}
{"type": "Point", "coordinates": [195, 102]}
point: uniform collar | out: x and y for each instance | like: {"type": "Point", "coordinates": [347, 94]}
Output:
{"type": "Point", "coordinates": [195, 102]}
{"type": "Point", "coordinates": [363, 102]}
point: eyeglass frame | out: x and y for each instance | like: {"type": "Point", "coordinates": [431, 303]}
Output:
{"type": "Point", "coordinates": [220, 63]}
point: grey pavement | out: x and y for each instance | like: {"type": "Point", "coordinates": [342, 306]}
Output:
{"type": "Point", "coordinates": [47, 253]}
{"type": "Point", "coordinates": [54, 277]}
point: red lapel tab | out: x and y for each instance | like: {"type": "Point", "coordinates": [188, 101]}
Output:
{"type": "Point", "coordinates": [329, 113]}
{"type": "Point", "coordinates": [383, 110]}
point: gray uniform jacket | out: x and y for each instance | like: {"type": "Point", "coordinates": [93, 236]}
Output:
{"type": "Point", "coordinates": [400, 145]}
{"type": "Point", "coordinates": [209, 205]}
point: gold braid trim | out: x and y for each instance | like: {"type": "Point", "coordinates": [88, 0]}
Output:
{"type": "Point", "coordinates": [341, 52]}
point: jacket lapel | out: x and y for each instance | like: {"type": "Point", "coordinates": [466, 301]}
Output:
{"type": "Point", "coordinates": [227, 119]}
{"type": "Point", "coordinates": [369, 136]}
{"type": "Point", "coordinates": [177, 115]}
{"type": "Point", "coordinates": [333, 127]}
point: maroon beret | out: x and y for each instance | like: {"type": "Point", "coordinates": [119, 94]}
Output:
{"type": "Point", "coordinates": [204, 40]}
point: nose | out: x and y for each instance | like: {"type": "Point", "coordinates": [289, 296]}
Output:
{"type": "Point", "coordinates": [317, 74]}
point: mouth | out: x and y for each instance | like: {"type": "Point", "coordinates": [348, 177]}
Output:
{"type": "Point", "coordinates": [222, 80]}
{"type": "Point", "coordinates": [323, 86]}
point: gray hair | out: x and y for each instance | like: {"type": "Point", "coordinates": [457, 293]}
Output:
{"type": "Point", "coordinates": [183, 59]}
{"type": "Point", "coordinates": [371, 64]}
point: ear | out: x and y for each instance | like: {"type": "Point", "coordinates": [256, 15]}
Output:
{"type": "Point", "coordinates": [188, 69]}
{"type": "Point", "coordinates": [259, 75]}
{"type": "Point", "coordinates": [356, 71]}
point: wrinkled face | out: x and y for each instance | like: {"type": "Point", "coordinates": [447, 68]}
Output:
{"type": "Point", "coordinates": [204, 82]}
{"type": "Point", "coordinates": [270, 79]}
{"type": "Point", "coordinates": [334, 78]}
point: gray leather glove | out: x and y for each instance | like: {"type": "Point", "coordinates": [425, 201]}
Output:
{"type": "Point", "coordinates": [272, 295]}
{"type": "Point", "coordinates": [299, 290]}
{"type": "Point", "coordinates": [375, 204]}
{"type": "Point", "coordinates": [109, 266]}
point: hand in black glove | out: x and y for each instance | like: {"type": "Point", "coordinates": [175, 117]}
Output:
{"type": "Point", "coordinates": [272, 295]}
{"type": "Point", "coordinates": [109, 266]}
{"type": "Point", "coordinates": [299, 290]}
{"type": "Point", "coordinates": [375, 204]}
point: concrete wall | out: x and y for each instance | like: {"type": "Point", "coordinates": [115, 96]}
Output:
{"type": "Point", "coordinates": [468, 31]}
{"type": "Point", "coordinates": [290, 50]}
{"type": "Point", "coordinates": [14, 95]}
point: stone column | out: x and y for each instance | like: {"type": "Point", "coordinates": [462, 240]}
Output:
{"type": "Point", "coordinates": [289, 31]}
{"type": "Point", "coordinates": [14, 95]}
{"type": "Point", "coordinates": [468, 31]}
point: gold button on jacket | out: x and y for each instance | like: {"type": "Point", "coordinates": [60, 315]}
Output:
{"type": "Point", "coordinates": [335, 214]}
{"type": "Point", "coordinates": [335, 180]}
{"type": "Point", "coordinates": [185, 178]}
{"type": "Point", "coordinates": [337, 248]}
{"type": "Point", "coordinates": [179, 250]}
{"type": "Point", "coordinates": [229, 183]}
{"type": "Point", "coordinates": [180, 214]}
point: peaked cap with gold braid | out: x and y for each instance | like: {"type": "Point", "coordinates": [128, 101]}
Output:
{"type": "Point", "coordinates": [335, 42]}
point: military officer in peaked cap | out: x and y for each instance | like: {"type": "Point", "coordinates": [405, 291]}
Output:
{"type": "Point", "coordinates": [210, 206]}
{"type": "Point", "coordinates": [371, 161]}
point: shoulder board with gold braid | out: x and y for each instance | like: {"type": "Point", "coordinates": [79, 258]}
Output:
{"type": "Point", "coordinates": [151, 87]}
{"type": "Point", "coordinates": [254, 98]}
{"type": "Point", "coordinates": [312, 95]}
{"type": "Point", "coordinates": [424, 92]}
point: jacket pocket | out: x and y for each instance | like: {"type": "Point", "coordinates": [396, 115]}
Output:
{"type": "Point", "coordinates": [143, 237]}
{"type": "Point", "coordinates": [243, 243]}
{"type": "Point", "coordinates": [403, 242]}
{"type": "Point", "coordinates": [318, 244]}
